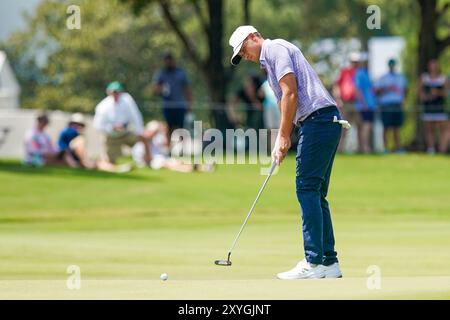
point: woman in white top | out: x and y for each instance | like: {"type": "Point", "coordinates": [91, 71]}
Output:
{"type": "Point", "coordinates": [433, 88]}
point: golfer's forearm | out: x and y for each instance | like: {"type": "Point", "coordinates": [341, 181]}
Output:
{"type": "Point", "coordinates": [288, 108]}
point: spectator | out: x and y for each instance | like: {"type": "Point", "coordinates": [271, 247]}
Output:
{"type": "Point", "coordinates": [172, 84]}
{"type": "Point", "coordinates": [119, 119]}
{"type": "Point", "coordinates": [391, 89]}
{"type": "Point", "coordinates": [446, 139]}
{"type": "Point", "coordinates": [365, 104]}
{"type": "Point", "coordinates": [344, 93]}
{"type": "Point", "coordinates": [271, 110]}
{"type": "Point", "coordinates": [71, 143]}
{"type": "Point", "coordinates": [433, 88]}
{"type": "Point", "coordinates": [248, 94]}
{"type": "Point", "coordinates": [156, 131]}
{"type": "Point", "coordinates": [39, 149]}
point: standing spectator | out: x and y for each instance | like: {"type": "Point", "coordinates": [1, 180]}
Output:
{"type": "Point", "coordinates": [172, 84]}
{"type": "Point", "coordinates": [391, 89]}
{"type": "Point", "coordinates": [365, 104]}
{"type": "Point", "coordinates": [39, 149]}
{"type": "Point", "coordinates": [433, 88]}
{"type": "Point", "coordinates": [252, 98]}
{"type": "Point", "coordinates": [272, 115]}
{"type": "Point", "coordinates": [270, 104]}
{"type": "Point", "coordinates": [119, 119]}
{"type": "Point", "coordinates": [344, 93]}
{"type": "Point", "coordinates": [446, 139]}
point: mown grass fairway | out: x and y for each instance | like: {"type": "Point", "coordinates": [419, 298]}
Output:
{"type": "Point", "coordinates": [123, 231]}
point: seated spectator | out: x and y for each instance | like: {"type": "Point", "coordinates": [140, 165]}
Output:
{"type": "Point", "coordinates": [156, 131]}
{"type": "Point", "coordinates": [71, 144]}
{"type": "Point", "coordinates": [391, 89]}
{"type": "Point", "coordinates": [120, 121]}
{"type": "Point", "coordinates": [39, 149]}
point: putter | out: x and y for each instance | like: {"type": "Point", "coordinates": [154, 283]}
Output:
{"type": "Point", "coordinates": [227, 263]}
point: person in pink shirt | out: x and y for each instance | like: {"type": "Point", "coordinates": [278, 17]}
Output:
{"type": "Point", "coordinates": [39, 149]}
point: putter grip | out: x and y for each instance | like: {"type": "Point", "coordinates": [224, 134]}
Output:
{"type": "Point", "coordinates": [274, 165]}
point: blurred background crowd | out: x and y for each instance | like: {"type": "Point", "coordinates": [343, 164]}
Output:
{"type": "Point", "coordinates": [137, 70]}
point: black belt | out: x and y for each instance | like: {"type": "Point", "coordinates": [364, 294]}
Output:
{"type": "Point", "coordinates": [319, 111]}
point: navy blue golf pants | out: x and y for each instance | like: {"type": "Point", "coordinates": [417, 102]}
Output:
{"type": "Point", "coordinates": [319, 139]}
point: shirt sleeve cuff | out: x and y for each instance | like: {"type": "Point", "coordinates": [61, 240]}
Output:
{"type": "Point", "coordinates": [280, 76]}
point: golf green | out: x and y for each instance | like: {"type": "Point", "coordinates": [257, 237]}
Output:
{"type": "Point", "coordinates": [391, 214]}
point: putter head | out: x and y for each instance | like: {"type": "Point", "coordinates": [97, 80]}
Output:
{"type": "Point", "coordinates": [224, 263]}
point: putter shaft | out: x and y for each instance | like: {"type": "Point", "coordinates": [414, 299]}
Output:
{"type": "Point", "coordinates": [251, 209]}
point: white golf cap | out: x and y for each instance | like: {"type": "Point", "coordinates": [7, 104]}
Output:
{"type": "Point", "coordinates": [77, 118]}
{"type": "Point", "coordinates": [237, 39]}
{"type": "Point", "coordinates": [354, 56]}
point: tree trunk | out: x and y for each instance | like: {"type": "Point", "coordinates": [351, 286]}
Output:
{"type": "Point", "coordinates": [427, 34]}
{"type": "Point", "coordinates": [427, 51]}
{"type": "Point", "coordinates": [246, 12]}
{"type": "Point", "coordinates": [215, 71]}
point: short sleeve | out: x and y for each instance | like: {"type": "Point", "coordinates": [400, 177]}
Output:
{"type": "Point", "coordinates": [282, 61]}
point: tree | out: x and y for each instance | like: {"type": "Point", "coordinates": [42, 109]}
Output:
{"type": "Point", "coordinates": [69, 69]}
{"type": "Point", "coordinates": [210, 65]}
{"type": "Point", "coordinates": [431, 46]}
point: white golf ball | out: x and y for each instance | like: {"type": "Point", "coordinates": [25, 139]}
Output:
{"type": "Point", "coordinates": [164, 276]}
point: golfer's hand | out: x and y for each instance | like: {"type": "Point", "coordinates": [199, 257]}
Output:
{"type": "Point", "coordinates": [281, 149]}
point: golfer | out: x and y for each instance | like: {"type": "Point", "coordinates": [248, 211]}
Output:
{"type": "Point", "coordinates": [303, 101]}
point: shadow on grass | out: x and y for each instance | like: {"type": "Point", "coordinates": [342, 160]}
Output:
{"type": "Point", "coordinates": [17, 167]}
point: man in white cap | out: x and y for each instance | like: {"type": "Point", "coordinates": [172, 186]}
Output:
{"type": "Point", "coordinates": [303, 101]}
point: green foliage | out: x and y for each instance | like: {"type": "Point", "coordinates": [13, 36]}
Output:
{"type": "Point", "coordinates": [112, 44]}
{"type": "Point", "coordinates": [124, 40]}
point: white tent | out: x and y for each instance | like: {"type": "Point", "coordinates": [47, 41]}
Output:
{"type": "Point", "coordinates": [9, 87]}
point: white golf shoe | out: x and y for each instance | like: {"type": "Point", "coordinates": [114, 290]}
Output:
{"type": "Point", "coordinates": [304, 270]}
{"type": "Point", "coordinates": [333, 271]}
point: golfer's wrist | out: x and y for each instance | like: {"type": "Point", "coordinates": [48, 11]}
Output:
{"type": "Point", "coordinates": [283, 135]}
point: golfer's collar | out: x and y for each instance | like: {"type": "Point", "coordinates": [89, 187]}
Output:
{"type": "Point", "coordinates": [262, 56]}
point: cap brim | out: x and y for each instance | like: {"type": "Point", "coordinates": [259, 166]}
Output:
{"type": "Point", "coordinates": [236, 58]}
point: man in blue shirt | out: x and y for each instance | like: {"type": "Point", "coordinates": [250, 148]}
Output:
{"type": "Point", "coordinates": [171, 83]}
{"type": "Point", "coordinates": [391, 89]}
{"type": "Point", "coordinates": [71, 149]}
{"type": "Point", "coordinates": [303, 101]}
{"type": "Point", "coordinates": [365, 104]}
